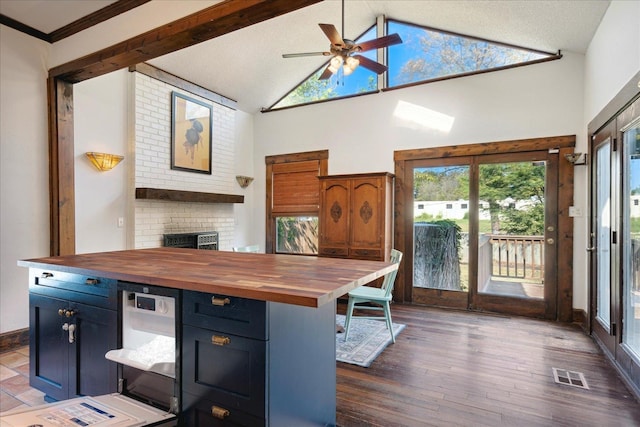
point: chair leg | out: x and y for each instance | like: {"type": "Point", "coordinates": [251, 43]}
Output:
{"type": "Point", "coordinates": [347, 320]}
{"type": "Point", "coordinates": [387, 317]}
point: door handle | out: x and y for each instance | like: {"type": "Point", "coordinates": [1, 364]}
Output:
{"type": "Point", "coordinates": [71, 328]}
{"type": "Point", "coordinates": [591, 249]}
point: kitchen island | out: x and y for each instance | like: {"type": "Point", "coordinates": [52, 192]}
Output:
{"type": "Point", "coordinates": [255, 333]}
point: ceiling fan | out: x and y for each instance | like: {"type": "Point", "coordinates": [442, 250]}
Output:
{"type": "Point", "coordinates": [345, 52]}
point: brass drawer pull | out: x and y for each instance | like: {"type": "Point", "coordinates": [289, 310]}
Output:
{"type": "Point", "coordinates": [219, 412]}
{"type": "Point", "coordinates": [219, 340]}
{"type": "Point", "coordinates": [220, 301]}
{"type": "Point", "coordinates": [91, 281]}
{"type": "Point", "coordinates": [46, 275]}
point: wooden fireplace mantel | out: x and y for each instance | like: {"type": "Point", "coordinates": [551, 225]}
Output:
{"type": "Point", "coordinates": [186, 196]}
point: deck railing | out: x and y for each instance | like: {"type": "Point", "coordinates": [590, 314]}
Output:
{"type": "Point", "coordinates": [519, 257]}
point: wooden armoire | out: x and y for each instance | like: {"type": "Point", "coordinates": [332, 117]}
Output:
{"type": "Point", "coordinates": [355, 218]}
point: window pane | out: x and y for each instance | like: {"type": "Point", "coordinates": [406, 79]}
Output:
{"type": "Point", "coordinates": [440, 254]}
{"type": "Point", "coordinates": [631, 241]}
{"type": "Point", "coordinates": [312, 90]}
{"type": "Point", "coordinates": [427, 54]}
{"type": "Point", "coordinates": [511, 234]}
{"type": "Point", "coordinates": [603, 233]}
{"type": "Point", "coordinates": [297, 235]}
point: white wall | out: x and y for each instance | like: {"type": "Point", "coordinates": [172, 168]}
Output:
{"type": "Point", "coordinates": [100, 124]}
{"type": "Point", "coordinates": [246, 232]}
{"type": "Point", "coordinates": [362, 133]}
{"type": "Point", "coordinates": [613, 56]}
{"type": "Point", "coordinates": [24, 169]}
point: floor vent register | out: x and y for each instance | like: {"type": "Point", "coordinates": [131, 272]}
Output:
{"type": "Point", "coordinates": [572, 378]}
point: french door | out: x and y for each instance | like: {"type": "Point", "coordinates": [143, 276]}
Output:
{"type": "Point", "coordinates": [615, 239]}
{"type": "Point", "coordinates": [481, 230]}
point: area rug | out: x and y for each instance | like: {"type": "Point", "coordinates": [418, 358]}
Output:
{"type": "Point", "coordinates": [367, 339]}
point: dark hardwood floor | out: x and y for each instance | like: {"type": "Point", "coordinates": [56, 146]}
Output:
{"type": "Point", "coordinates": [456, 368]}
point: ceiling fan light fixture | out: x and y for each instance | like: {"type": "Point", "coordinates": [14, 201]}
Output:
{"type": "Point", "coordinates": [335, 63]}
{"type": "Point", "coordinates": [350, 64]}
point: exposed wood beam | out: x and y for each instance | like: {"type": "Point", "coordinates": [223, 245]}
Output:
{"type": "Point", "coordinates": [61, 168]}
{"type": "Point", "coordinates": [108, 12]}
{"type": "Point", "coordinates": [217, 20]}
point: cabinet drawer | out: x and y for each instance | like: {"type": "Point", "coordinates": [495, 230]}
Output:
{"type": "Point", "coordinates": [334, 252]}
{"type": "Point", "coordinates": [200, 413]}
{"type": "Point", "coordinates": [366, 253]}
{"type": "Point", "coordinates": [232, 315]}
{"type": "Point", "coordinates": [224, 368]}
{"type": "Point", "coordinates": [91, 290]}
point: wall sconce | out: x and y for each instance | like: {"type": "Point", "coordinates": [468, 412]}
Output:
{"type": "Point", "coordinates": [103, 161]}
{"type": "Point", "coordinates": [576, 159]}
{"type": "Point", "coordinates": [244, 181]}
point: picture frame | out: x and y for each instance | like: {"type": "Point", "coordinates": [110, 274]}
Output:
{"type": "Point", "coordinates": [191, 134]}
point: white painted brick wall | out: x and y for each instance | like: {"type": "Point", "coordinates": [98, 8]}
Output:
{"type": "Point", "coordinates": [153, 169]}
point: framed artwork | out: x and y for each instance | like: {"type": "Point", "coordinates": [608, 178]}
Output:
{"type": "Point", "coordinates": [190, 134]}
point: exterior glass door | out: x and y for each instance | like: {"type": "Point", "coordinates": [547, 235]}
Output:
{"type": "Point", "coordinates": [511, 233]}
{"type": "Point", "coordinates": [483, 230]}
{"type": "Point", "coordinates": [631, 239]}
{"type": "Point", "coordinates": [516, 235]}
{"type": "Point", "coordinates": [614, 311]}
{"type": "Point", "coordinates": [605, 305]}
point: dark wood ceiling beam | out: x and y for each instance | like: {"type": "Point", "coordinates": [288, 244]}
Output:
{"type": "Point", "coordinates": [108, 12]}
{"type": "Point", "coordinates": [217, 20]}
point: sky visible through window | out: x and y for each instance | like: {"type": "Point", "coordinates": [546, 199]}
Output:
{"type": "Point", "coordinates": [312, 90]}
{"type": "Point", "coordinates": [424, 54]}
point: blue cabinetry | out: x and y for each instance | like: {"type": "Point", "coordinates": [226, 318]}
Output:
{"type": "Point", "coordinates": [257, 363]}
{"type": "Point", "coordinates": [72, 324]}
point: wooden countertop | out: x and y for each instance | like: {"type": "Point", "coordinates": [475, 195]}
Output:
{"type": "Point", "coordinates": [299, 280]}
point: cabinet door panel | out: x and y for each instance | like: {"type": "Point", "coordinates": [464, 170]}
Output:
{"type": "Point", "coordinates": [225, 368]}
{"type": "Point", "coordinates": [334, 217]}
{"type": "Point", "coordinates": [49, 347]}
{"type": "Point", "coordinates": [366, 223]}
{"type": "Point", "coordinates": [90, 373]}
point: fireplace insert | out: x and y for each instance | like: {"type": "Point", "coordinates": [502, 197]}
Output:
{"type": "Point", "coordinates": [200, 240]}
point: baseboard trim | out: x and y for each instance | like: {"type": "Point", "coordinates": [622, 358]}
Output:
{"type": "Point", "coordinates": [14, 339]}
{"type": "Point", "coordinates": [580, 318]}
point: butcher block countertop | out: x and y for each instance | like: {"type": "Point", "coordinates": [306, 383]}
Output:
{"type": "Point", "coordinates": [300, 280]}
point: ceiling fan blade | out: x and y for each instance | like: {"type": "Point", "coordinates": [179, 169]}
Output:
{"type": "Point", "coordinates": [378, 43]}
{"type": "Point", "coordinates": [332, 34]}
{"type": "Point", "coordinates": [326, 73]}
{"type": "Point", "coordinates": [298, 55]}
{"type": "Point", "coordinates": [374, 66]}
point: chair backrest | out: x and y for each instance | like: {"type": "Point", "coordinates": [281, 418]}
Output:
{"type": "Point", "coordinates": [390, 278]}
{"type": "Point", "coordinates": [250, 248]}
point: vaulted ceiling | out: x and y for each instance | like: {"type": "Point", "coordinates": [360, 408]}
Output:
{"type": "Point", "coordinates": [247, 65]}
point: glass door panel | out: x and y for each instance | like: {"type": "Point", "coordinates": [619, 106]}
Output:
{"type": "Point", "coordinates": [602, 233]}
{"type": "Point", "coordinates": [440, 233]}
{"type": "Point", "coordinates": [631, 238]}
{"type": "Point", "coordinates": [511, 240]}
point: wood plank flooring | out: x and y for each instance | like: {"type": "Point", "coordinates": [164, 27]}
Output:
{"type": "Point", "coordinates": [457, 368]}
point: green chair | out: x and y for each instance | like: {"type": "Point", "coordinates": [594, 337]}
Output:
{"type": "Point", "coordinates": [250, 248]}
{"type": "Point", "coordinates": [375, 298]}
